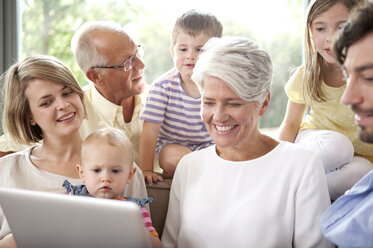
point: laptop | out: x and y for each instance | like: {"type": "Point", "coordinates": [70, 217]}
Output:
{"type": "Point", "coordinates": [40, 219]}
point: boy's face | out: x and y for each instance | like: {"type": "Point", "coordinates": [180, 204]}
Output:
{"type": "Point", "coordinates": [106, 169]}
{"type": "Point", "coordinates": [185, 51]}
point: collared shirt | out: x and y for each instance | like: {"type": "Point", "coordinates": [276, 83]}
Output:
{"type": "Point", "coordinates": [349, 221]}
{"type": "Point", "coordinates": [102, 113]}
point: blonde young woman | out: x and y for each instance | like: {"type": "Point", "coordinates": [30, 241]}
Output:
{"type": "Point", "coordinates": [329, 128]}
{"type": "Point", "coordinates": [43, 102]}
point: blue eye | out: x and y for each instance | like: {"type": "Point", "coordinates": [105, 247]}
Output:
{"type": "Point", "coordinates": [67, 93]}
{"type": "Point", "coordinates": [45, 104]}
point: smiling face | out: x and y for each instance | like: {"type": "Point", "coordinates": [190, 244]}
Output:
{"type": "Point", "coordinates": [231, 121]}
{"type": "Point", "coordinates": [185, 51]}
{"type": "Point", "coordinates": [117, 85]}
{"type": "Point", "coordinates": [105, 169]}
{"type": "Point", "coordinates": [54, 107]}
{"type": "Point", "coordinates": [358, 68]}
{"type": "Point", "coordinates": [323, 28]}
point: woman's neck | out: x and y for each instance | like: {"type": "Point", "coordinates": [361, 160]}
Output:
{"type": "Point", "coordinates": [257, 147]}
{"type": "Point", "coordinates": [333, 75]}
{"type": "Point", "coordinates": [58, 156]}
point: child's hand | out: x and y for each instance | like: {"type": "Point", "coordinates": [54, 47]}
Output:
{"type": "Point", "coordinates": [151, 177]}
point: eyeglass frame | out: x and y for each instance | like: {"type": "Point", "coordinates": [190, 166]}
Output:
{"type": "Point", "coordinates": [139, 54]}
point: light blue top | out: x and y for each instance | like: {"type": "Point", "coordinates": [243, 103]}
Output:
{"type": "Point", "coordinates": [349, 221]}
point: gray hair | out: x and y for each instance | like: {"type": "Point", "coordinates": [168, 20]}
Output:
{"type": "Point", "coordinates": [240, 63]}
{"type": "Point", "coordinates": [85, 52]}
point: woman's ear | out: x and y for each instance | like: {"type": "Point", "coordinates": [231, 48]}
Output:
{"type": "Point", "coordinates": [264, 107]}
{"type": "Point", "coordinates": [32, 121]}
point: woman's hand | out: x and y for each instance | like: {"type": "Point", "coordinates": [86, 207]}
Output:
{"type": "Point", "coordinates": [8, 241]}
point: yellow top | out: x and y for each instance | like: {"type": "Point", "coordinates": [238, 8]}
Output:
{"type": "Point", "coordinates": [329, 115]}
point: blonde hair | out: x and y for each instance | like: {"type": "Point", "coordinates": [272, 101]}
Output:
{"type": "Point", "coordinates": [313, 74]}
{"type": "Point", "coordinates": [194, 22]}
{"type": "Point", "coordinates": [111, 136]}
{"type": "Point", "coordinates": [16, 106]}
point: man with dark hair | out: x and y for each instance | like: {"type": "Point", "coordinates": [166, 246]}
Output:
{"type": "Point", "coordinates": [349, 221]}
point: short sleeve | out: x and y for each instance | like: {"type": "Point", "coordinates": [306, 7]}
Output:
{"type": "Point", "coordinates": [294, 87]}
{"type": "Point", "coordinates": [156, 104]}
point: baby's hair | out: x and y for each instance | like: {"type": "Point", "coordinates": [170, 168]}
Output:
{"type": "Point", "coordinates": [109, 135]}
{"type": "Point", "coordinates": [313, 74]}
{"type": "Point", "coordinates": [194, 22]}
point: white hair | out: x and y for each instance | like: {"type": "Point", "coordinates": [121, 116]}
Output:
{"type": "Point", "coordinates": [240, 63]}
{"type": "Point", "coordinates": [85, 52]}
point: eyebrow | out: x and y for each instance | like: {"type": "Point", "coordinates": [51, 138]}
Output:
{"type": "Point", "coordinates": [225, 100]}
{"type": "Point", "coordinates": [46, 96]}
{"type": "Point", "coordinates": [323, 23]}
{"type": "Point", "coordinates": [364, 67]}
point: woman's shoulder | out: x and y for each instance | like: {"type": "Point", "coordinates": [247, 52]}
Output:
{"type": "Point", "coordinates": [15, 158]}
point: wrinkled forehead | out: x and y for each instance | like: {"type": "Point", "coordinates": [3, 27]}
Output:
{"type": "Point", "coordinates": [113, 44]}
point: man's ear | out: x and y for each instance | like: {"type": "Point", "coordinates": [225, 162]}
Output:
{"type": "Point", "coordinates": [172, 52]}
{"type": "Point", "coordinates": [264, 107]}
{"type": "Point", "coordinates": [94, 76]}
{"type": "Point", "coordinates": [130, 175]}
{"type": "Point", "coordinates": [80, 170]}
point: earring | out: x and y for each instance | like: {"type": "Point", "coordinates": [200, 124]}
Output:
{"type": "Point", "coordinates": [33, 123]}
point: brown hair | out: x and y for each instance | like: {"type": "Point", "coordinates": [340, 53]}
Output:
{"type": "Point", "coordinates": [359, 24]}
{"type": "Point", "coordinates": [16, 105]}
{"type": "Point", "coordinates": [313, 73]}
{"type": "Point", "coordinates": [194, 22]}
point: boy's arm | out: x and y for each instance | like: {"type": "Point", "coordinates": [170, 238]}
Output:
{"type": "Point", "coordinates": [291, 123]}
{"type": "Point", "coordinates": [148, 142]}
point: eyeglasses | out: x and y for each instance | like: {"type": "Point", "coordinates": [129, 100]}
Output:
{"type": "Point", "coordinates": [127, 65]}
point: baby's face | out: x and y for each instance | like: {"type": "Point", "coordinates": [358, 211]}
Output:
{"type": "Point", "coordinates": [106, 169]}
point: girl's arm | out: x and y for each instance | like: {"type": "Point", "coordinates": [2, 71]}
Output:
{"type": "Point", "coordinates": [291, 123]}
{"type": "Point", "coordinates": [148, 142]}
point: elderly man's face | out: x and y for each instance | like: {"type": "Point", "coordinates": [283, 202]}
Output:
{"type": "Point", "coordinates": [116, 85]}
{"type": "Point", "coordinates": [358, 67]}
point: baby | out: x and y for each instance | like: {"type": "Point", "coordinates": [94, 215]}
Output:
{"type": "Point", "coordinates": [106, 168]}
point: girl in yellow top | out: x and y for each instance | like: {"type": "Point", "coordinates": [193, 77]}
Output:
{"type": "Point", "coordinates": [329, 128]}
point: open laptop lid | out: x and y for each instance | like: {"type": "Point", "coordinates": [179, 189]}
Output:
{"type": "Point", "coordinates": [40, 219]}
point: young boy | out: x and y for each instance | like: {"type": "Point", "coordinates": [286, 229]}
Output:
{"type": "Point", "coordinates": [172, 121]}
{"type": "Point", "coordinates": [106, 168]}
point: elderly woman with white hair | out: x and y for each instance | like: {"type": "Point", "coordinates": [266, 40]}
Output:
{"type": "Point", "coordinates": [248, 190]}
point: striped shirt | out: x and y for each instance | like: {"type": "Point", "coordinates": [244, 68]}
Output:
{"type": "Point", "coordinates": [178, 113]}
